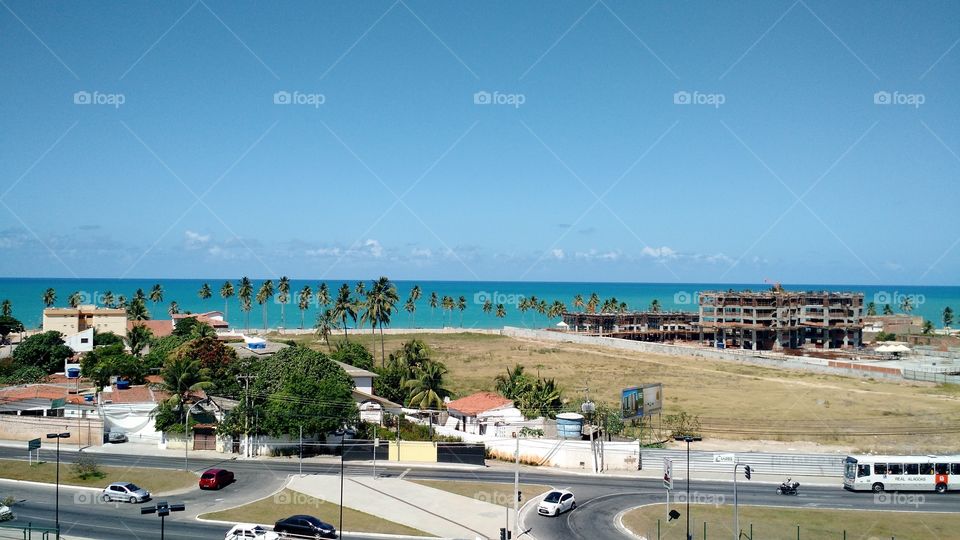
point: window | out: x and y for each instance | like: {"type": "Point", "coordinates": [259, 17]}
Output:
{"type": "Point", "coordinates": [955, 468]}
{"type": "Point", "coordinates": [879, 468]}
{"type": "Point", "coordinates": [863, 470]}
{"type": "Point", "coordinates": [926, 468]}
{"type": "Point", "coordinates": [913, 468]}
{"type": "Point", "coordinates": [942, 468]}
{"type": "Point", "coordinates": [895, 468]}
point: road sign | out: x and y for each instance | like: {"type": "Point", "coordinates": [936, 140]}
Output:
{"type": "Point", "coordinates": [724, 458]}
{"type": "Point", "coordinates": [33, 444]}
{"type": "Point", "coordinates": [668, 473]}
{"type": "Point", "coordinates": [58, 403]}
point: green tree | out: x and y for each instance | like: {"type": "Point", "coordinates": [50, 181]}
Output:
{"type": "Point", "coordinates": [137, 310]}
{"type": "Point", "coordinates": [326, 324]}
{"type": "Point", "coordinates": [74, 299]}
{"type": "Point", "coordinates": [871, 309]}
{"type": "Point", "coordinates": [174, 308]}
{"type": "Point", "coordinates": [434, 302]}
{"type": "Point", "coordinates": [556, 309]}
{"type": "Point", "coordinates": [323, 295]}
{"type": "Point", "coordinates": [103, 339]}
{"type": "Point", "coordinates": [593, 302]}
{"type": "Point", "coordinates": [226, 291]}
{"type": "Point", "coordinates": [514, 384]}
{"type": "Point", "coordinates": [381, 303]}
{"type": "Point", "coordinates": [354, 354]}
{"type": "Point", "coordinates": [283, 288]}
{"type": "Point", "coordinates": [156, 294]}
{"type": "Point", "coordinates": [448, 305]}
{"type": "Point", "coordinates": [245, 294]}
{"type": "Point", "coordinates": [578, 302]}
{"type": "Point", "coordinates": [217, 362]}
{"type": "Point", "coordinates": [411, 306]}
{"type": "Point", "coordinates": [138, 337]}
{"type": "Point", "coordinates": [501, 311]}
{"type": "Point", "coordinates": [887, 310]}
{"type": "Point", "coordinates": [426, 388]}
{"type": "Point", "coordinates": [205, 292]}
{"type": "Point", "coordinates": [189, 327]}
{"type": "Point", "coordinates": [263, 297]}
{"type": "Point", "coordinates": [927, 327]}
{"type": "Point", "coordinates": [343, 308]}
{"type": "Point", "coordinates": [49, 297]}
{"type": "Point", "coordinates": [461, 305]}
{"type": "Point", "coordinates": [655, 306]}
{"type": "Point", "coordinates": [182, 376]}
{"type": "Point", "coordinates": [102, 363]}
{"type": "Point", "coordinates": [8, 325]}
{"type": "Point", "coordinates": [46, 351]}
{"type": "Point", "coordinates": [303, 302]}
{"type": "Point", "coordinates": [108, 299]}
{"type": "Point", "coordinates": [487, 306]}
{"type": "Point", "coordinates": [122, 302]}
{"type": "Point", "coordinates": [542, 398]}
{"type": "Point", "coordinates": [906, 305]}
{"type": "Point", "coordinates": [140, 295]}
{"type": "Point", "coordinates": [947, 317]}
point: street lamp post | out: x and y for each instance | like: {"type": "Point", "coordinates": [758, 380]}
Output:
{"type": "Point", "coordinates": [688, 439]}
{"type": "Point", "coordinates": [186, 437]}
{"type": "Point", "coordinates": [58, 436]}
{"type": "Point", "coordinates": [163, 510]}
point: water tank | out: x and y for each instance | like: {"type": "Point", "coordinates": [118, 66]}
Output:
{"type": "Point", "coordinates": [123, 385]}
{"type": "Point", "coordinates": [569, 425]}
{"type": "Point", "coordinates": [73, 373]}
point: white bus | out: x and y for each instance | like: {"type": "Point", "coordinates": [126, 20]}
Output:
{"type": "Point", "coordinates": [902, 473]}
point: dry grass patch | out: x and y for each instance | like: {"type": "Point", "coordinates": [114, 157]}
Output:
{"type": "Point", "coordinates": [156, 481]}
{"type": "Point", "coordinates": [500, 494]}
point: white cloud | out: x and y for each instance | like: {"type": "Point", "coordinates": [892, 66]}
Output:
{"type": "Point", "coordinates": [374, 248]}
{"type": "Point", "coordinates": [423, 253]}
{"type": "Point", "coordinates": [594, 255]}
{"type": "Point", "coordinates": [195, 240]}
{"type": "Point", "coordinates": [558, 254]}
{"type": "Point", "coordinates": [660, 253]}
{"type": "Point", "coordinates": [323, 252]}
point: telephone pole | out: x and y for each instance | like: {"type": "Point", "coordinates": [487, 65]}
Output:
{"type": "Point", "coordinates": [246, 416]}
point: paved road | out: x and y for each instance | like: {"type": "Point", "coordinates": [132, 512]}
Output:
{"type": "Point", "coordinates": [600, 498]}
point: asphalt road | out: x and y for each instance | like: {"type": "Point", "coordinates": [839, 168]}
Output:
{"type": "Point", "coordinates": [600, 498]}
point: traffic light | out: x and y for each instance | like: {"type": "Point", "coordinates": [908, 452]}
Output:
{"type": "Point", "coordinates": [747, 471]}
{"type": "Point", "coordinates": [519, 496]}
{"type": "Point", "coordinates": [505, 534]}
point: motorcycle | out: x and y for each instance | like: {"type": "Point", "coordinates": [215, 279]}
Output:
{"type": "Point", "coordinates": [788, 487]}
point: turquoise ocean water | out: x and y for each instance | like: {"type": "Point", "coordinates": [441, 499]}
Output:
{"type": "Point", "coordinates": [26, 296]}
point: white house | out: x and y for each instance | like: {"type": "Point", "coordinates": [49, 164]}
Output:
{"type": "Point", "coordinates": [480, 412]}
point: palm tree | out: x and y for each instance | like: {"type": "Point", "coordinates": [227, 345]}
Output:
{"type": "Point", "coordinates": [283, 287]}
{"type": "Point", "coordinates": [174, 308]}
{"type": "Point", "coordinates": [182, 375]}
{"type": "Point", "coordinates": [927, 327]}
{"type": "Point", "coordinates": [344, 307]}
{"type": "Point", "coordinates": [906, 305]}
{"type": "Point", "coordinates": [532, 305]}
{"type": "Point", "coordinates": [501, 311]}
{"type": "Point", "coordinates": [655, 305]}
{"type": "Point", "coordinates": [122, 302]}
{"type": "Point", "coordinates": [887, 310]}
{"type": "Point", "coordinates": [556, 309]}
{"type": "Point", "coordinates": [434, 302]}
{"type": "Point", "coordinates": [49, 297]}
{"type": "Point", "coordinates": [108, 299]}
{"type": "Point", "coordinates": [487, 306]}
{"type": "Point", "coordinates": [871, 309]}
{"type": "Point", "coordinates": [426, 387]}
{"type": "Point", "coordinates": [542, 307]}
{"type": "Point", "coordinates": [578, 302]}
{"type": "Point", "coordinates": [74, 299]}
{"type": "Point", "coordinates": [323, 295]}
{"type": "Point", "coordinates": [361, 289]}
{"type": "Point", "coordinates": [326, 324]}
{"type": "Point", "coordinates": [204, 292]}
{"type": "Point", "coordinates": [513, 384]}
{"type": "Point", "coordinates": [411, 305]}
{"type": "Point", "coordinates": [263, 296]}
{"type": "Point", "coordinates": [523, 306]}
{"type": "Point", "coordinates": [226, 291]}
{"type": "Point", "coordinates": [137, 310]}
{"type": "Point", "coordinates": [947, 317]}
{"type": "Point", "coordinates": [544, 398]}
{"type": "Point", "coordinates": [448, 305]}
{"type": "Point", "coordinates": [6, 308]}
{"type": "Point", "coordinates": [385, 299]}
{"type": "Point", "coordinates": [461, 305]}
{"type": "Point", "coordinates": [156, 294]}
{"type": "Point", "coordinates": [593, 302]}
{"type": "Point", "coordinates": [245, 294]}
{"type": "Point", "coordinates": [137, 338]}
{"type": "Point", "coordinates": [303, 302]}
{"type": "Point", "coordinates": [140, 295]}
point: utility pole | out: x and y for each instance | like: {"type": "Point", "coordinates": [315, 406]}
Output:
{"type": "Point", "coordinates": [246, 416]}
{"type": "Point", "coordinates": [516, 486]}
{"type": "Point", "coordinates": [301, 450]}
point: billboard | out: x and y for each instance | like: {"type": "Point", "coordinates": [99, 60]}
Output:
{"type": "Point", "coordinates": [639, 401]}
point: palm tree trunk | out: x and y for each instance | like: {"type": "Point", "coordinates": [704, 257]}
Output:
{"type": "Point", "coordinates": [345, 329]}
{"type": "Point", "coordinates": [383, 357]}
{"type": "Point", "coordinates": [302, 315]}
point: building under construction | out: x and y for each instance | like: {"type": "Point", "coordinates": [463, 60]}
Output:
{"type": "Point", "coordinates": [768, 320]}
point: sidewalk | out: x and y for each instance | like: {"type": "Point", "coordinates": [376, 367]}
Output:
{"type": "Point", "coordinates": [427, 509]}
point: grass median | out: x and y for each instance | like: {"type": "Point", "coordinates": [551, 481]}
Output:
{"type": "Point", "coordinates": [157, 481]}
{"type": "Point", "coordinates": [772, 523]}
{"type": "Point", "coordinates": [288, 502]}
{"type": "Point", "coordinates": [500, 494]}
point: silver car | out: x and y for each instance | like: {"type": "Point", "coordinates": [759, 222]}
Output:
{"type": "Point", "coordinates": [125, 492]}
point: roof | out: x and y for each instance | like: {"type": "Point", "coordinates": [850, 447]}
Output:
{"type": "Point", "coordinates": [383, 402]}
{"type": "Point", "coordinates": [92, 310]}
{"type": "Point", "coordinates": [355, 371]}
{"type": "Point", "coordinates": [480, 402]}
{"type": "Point", "coordinates": [159, 327]}
{"type": "Point", "coordinates": [212, 318]}
{"type": "Point", "coordinates": [245, 352]}
{"type": "Point", "coordinates": [42, 392]}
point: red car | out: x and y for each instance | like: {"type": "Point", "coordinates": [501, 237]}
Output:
{"type": "Point", "coordinates": [215, 478]}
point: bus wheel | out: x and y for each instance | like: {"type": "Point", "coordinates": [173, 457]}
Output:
{"type": "Point", "coordinates": [878, 488]}
{"type": "Point", "coordinates": [941, 488]}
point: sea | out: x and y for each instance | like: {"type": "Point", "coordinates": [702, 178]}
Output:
{"type": "Point", "coordinates": [26, 297]}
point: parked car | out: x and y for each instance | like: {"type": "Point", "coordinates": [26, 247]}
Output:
{"type": "Point", "coordinates": [125, 492]}
{"type": "Point", "coordinates": [556, 502]}
{"type": "Point", "coordinates": [305, 526]}
{"type": "Point", "coordinates": [116, 437]}
{"type": "Point", "coordinates": [6, 513]}
{"type": "Point", "coordinates": [246, 531]}
{"type": "Point", "coordinates": [215, 478]}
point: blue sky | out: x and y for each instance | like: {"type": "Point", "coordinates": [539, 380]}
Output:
{"type": "Point", "coordinates": [561, 140]}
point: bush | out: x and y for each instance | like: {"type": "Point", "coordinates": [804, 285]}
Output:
{"type": "Point", "coordinates": [86, 467]}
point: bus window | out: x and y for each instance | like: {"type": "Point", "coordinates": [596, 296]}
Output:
{"type": "Point", "coordinates": [943, 468]}
{"type": "Point", "coordinates": [926, 468]}
{"type": "Point", "coordinates": [955, 468]}
{"type": "Point", "coordinates": [879, 468]}
{"type": "Point", "coordinates": [912, 468]}
{"type": "Point", "coordinates": [863, 470]}
{"type": "Point", "coordinates": [895, 468]}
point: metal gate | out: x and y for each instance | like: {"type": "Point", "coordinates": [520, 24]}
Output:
{"type": "Point", "coordinates": [204, 440]}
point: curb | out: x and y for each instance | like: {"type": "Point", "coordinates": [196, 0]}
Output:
{"type": "Point", "coordinates": [351, 533]}
{"type": "Point", "coordinates": [47, 484]}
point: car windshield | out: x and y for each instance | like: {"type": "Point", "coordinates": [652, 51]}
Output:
{"type": "Point", "coordinates": [207, 475]}
{"type": "Point", "coordinates": [552, 497]}
{"type": "Point", "coordinates": [131, 487]}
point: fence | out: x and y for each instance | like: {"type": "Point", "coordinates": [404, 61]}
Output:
{"type": "Point", "coordinates": [930, 376]}
{"type": "Point", "coordinates": [27, 532]}
{"type": "Point", "coordinates": [703, 532]}
{"type": "Point", "coordinates": [432, 452]}
{"type": "Point", "coordinates": [762, 463]}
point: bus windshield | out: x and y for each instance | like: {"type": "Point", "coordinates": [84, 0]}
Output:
{"type": "Point", "coordinates": [851, 469]}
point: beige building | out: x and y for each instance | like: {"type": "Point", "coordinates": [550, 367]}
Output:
{"type": "Point", "coordinates": [69, 321]}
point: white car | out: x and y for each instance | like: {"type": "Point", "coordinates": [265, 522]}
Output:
{"type": "Point", "coordinates": [5, 513]}
{"type": "Point", "coordinates": [556, 502]}
{"type": "Point", "coordinates": [125, 492]}
{"type": "Point", "coordinates": [245, 531]}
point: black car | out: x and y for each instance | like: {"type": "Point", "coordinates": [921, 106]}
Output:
{"type": "Point", "coordinates": [305, 527]}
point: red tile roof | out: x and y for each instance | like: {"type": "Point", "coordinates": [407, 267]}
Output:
{"type": "Point", "coordinates": [159, 327]}
{"type": "Point", "coordinates": [475, 404]}
{"type": "Point", "coordinates": [38, 391]}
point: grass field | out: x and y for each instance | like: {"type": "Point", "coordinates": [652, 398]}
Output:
{"type": "Point", "coordinates": [288, 502]}
{"type": "Point", "coordinates": [733, 400]}
{"type": "Point", "coordinates": [156, 481]}
{"type": "Point", "coordinates": [781, 523]}
{"type": "Point", "coordinates": [501, 494]}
